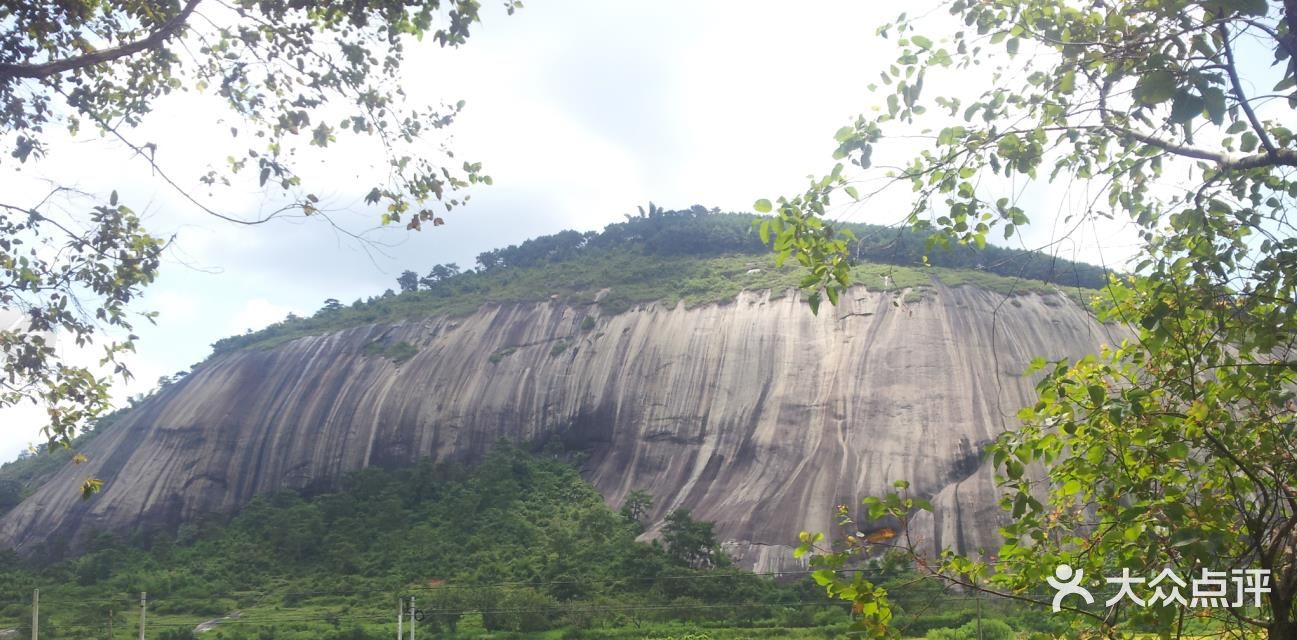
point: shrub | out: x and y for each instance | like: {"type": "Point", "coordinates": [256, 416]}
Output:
{"type": "Point", "coordinates": [520, 610]}
{"type": "Point", "coordinates": [991, 629]}
{"type": "Point", "coordinates": [832, 616]}
{"type": "Point", "coordinates": [397, 352]}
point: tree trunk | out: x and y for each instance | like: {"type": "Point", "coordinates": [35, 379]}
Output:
{"type": "Point", "coordinates": [1282, 630]}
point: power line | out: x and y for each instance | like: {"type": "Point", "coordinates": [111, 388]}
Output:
{"type": "Point", "coordinates": [738, 575]}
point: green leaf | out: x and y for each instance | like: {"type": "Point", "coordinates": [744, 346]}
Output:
{"type": "Point", "coordinates": [1229, 7]}
{"type": "Point", "coordinates": [1067, 82]}
{"type": "Point", "coordinates": [921, 42]}
{"type": "Point", "coordinates": [1155, 87]}
{"type": "Point", "coordinates": [1178, 450]}
{"type": "Point", "coordinates": [1248, 142]}
{"type": "Point", "coordinates": [1097, 394]}
{"type": "Point", "coordinates": [90, 487]}
{"type": "Point", "coordinates": [762, 206]}
{"type": "Point", "coordinates": [1186, 107]}
{"type": "Point", "coordinates": [1214, 101]}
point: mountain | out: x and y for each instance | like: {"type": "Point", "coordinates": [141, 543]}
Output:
{"type": "Point", "coordinates": [668, 348]}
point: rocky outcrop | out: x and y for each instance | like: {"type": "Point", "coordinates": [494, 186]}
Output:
{"type": "Point", "coordinates": [755, 414]}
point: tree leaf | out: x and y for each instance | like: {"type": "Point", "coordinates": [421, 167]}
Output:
{"type": "Point", "coordinates": [1155, 87]}
{"type": "Point", "coordinates": [1248, 142]}
{"type": "Point", "coordinates": [1186, 107]}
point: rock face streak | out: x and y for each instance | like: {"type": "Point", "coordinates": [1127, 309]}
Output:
{"type": "Point", "coordinates": [755, 414]}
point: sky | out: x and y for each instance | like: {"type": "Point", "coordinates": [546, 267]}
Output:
{"type": "Point", "coordinates": [580, 112]}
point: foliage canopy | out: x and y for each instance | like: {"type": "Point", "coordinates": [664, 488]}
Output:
{"type": "Point", "coordinates": [286, 76]}
{"type": "Point", "coordinates": [1175, 449]}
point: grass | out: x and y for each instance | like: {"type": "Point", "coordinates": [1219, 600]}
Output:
{"type": "Point", "coordinates": [991, 282]}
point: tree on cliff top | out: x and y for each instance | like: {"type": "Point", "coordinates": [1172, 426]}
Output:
{"type": "Point", "coordinates": [288, 75]}
{"type": "Point", "coordinates": [1177, 449]}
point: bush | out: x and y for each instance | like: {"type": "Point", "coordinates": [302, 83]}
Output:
{"type": "Point", "coordinates": [991, 629]}
{"type": "Point", "coordinates": [921, 624]}
{"type": "Point", "coordinates": [803, 616]}
{"type": "Point", "coordinates": [520, 610]}
{"type": "Point", "coordinates": [832, 616]}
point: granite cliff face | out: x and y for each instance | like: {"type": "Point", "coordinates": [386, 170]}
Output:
{"type": "Point", "coordinates": [754, 414]}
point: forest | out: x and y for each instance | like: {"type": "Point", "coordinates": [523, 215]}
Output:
{"type": "Point", "coordinates": [516, 546]}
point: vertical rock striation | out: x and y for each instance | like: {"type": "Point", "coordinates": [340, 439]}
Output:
{"type": "Point", "coordinates": [754, 414]}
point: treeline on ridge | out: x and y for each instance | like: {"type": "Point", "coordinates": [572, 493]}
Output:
{"type": "Point", "coordinates": [693, 254]}
{"type": "Point", "coordinates": [700, 232]}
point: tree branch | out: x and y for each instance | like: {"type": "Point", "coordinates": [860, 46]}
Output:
{"type": "Point", "coordinates": [1232, 68]}
{"type": "Point", "coordinates": [55, 67]}
{"type": "Point", "coordinates": [1223, 161]}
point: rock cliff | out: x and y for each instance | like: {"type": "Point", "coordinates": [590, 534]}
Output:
{"type": "Point", "coordinates": [754, 414]}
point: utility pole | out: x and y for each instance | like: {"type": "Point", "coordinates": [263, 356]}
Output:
{"type": "Point", "coordinates": [412, 617]}
{"type": "Point", "coordinates": [143, 608]}
{"type": "Point", "coordinates": [36, 613]}
{"type": "Point", "coordinates": [400, 617]}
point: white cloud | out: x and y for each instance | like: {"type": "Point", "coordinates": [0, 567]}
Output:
{"type": "Point", "coordinates": [580, 111]}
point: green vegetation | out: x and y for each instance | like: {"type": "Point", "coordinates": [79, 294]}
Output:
{"type": "Point", "coordinates": [501, 354]}
{"type": "Point", "coordinates": [676, 257]}
{"type": "Point", "coordinates": [397, 352]}
{"type": "Point", "coordinates": [19, 478]}
{"type": "Point", "coordinates": [1173, 450]}
{"type": "Point", "coordinates": [517, 545]}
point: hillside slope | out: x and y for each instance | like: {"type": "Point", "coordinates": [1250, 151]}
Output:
{"type": "Point", "coordinates": [752, 413]}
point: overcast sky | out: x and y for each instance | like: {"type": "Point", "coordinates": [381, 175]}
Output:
{"type": "Point", "coordinates": [580, 111]}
